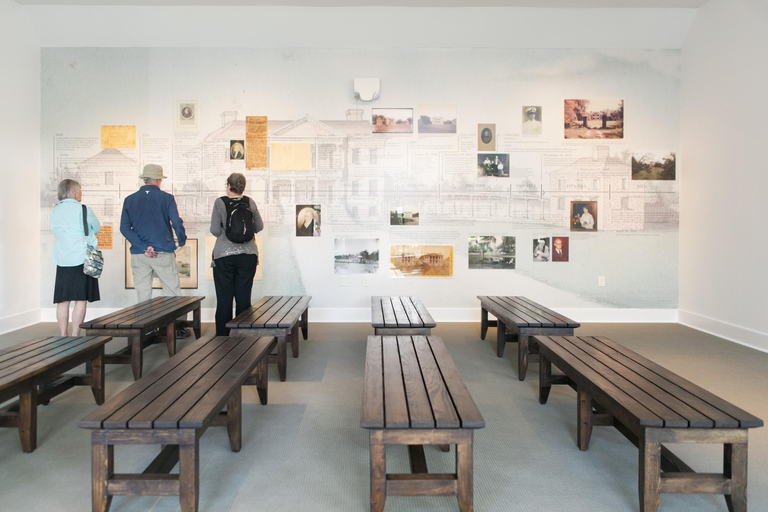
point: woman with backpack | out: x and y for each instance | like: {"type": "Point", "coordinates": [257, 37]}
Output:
{"type": "Point", "coordinates": [234, 222]}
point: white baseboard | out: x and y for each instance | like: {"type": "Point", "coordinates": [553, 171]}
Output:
{"type": "Point", "coordinates": [21, 320]}
{"type": "Point", "coordinates": [741, 335]}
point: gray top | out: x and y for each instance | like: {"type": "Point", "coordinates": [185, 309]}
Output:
{"type": "Point", "coordinates": [224, 246]}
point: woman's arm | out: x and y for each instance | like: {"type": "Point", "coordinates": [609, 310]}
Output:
{"type": "Point", "coordinates": [218, 217]}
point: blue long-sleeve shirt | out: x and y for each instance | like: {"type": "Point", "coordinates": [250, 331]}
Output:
{"type": "Point", "coordinates": [147, 218]}
{"type": "Point", "coordinates": [67, 225]}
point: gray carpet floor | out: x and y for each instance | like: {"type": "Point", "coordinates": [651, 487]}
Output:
{"type": "Point", "coordinates": [305, 450]}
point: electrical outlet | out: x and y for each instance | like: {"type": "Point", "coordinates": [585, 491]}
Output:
{"type": "Point", "coordinates": [601, 281]}
{"type": "Point", "coordinates": [365, 280]}
{"type": "Point", "coordinates": [343, 280]}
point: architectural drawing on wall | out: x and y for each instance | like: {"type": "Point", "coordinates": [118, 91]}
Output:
{"type": "Point", "coordinates": [403, 216]}
{"type": "Point", "coordinates": [237, 149]}
{"type": "Point", "coordinates": [355, 255]}
{"type": "Point", "coordinates": [290, 156]}
{"type": "Point", "coordinates": [532, 120]}
{"type": "Point", "coordinates": [596, 118]}
{"type": "Point", "coordinates": [186, 115]}
{"type": "Point", "coordinates": [420, 261]}
{"type": "Point", "coordinates": [493, 164]}
{"type": "Point", "coordinates": [541, 252]}
{"type": "Point", "coordinates": [307, 220]}
{"type": "Point", "coordinates": [436, 118]}
{"type": "Point", "coordinates": [486, 137]}
{"type": "Point", "coordinates": [186, 262]}
{"type": "Point", "coordinates": [653, 165]}
{"type": "Point", "coordinates": [560, 248]}
{"type": "Point", "coordinates": [118, 137]}
{"type": "Point", "coordinates": [392, 120]}
{"type": "Point", "coordinates": [583, 215]}
{"type": "Point", "coordinates": [491, 252]}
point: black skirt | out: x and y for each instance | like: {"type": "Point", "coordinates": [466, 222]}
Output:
{"type": "Point", "coordinates": [72, 284]}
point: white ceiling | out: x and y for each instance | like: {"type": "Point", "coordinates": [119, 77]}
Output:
{"type": "Point", "coordinates": [572, 4]}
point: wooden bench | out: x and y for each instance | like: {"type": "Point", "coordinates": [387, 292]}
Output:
{"type": "Point", "coordinates": [517, 319]}
{"type": "Point", "coordinates": [279, 316]}
{"type": "Point", "coordinates": [400, 316]}
{"type": "Point", "coordinates": [140, 323]}
{"type": "Point", "coordinates": [172, 406]}
{"type": "Point", "coordinates": [650, 405]}
{"type": "Point", "coordinates": [34, 371]}
{"type": "Point", "coordinates": [414, 395]}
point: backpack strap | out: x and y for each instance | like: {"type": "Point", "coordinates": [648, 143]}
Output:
{"type": "Point", "coordinates": [85, 220]}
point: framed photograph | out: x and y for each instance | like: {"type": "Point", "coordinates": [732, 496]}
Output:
{"type": "Point", "coordinates": [420, 261]}
{"type": "Point", "coordinates": [491, 252]}
{"type": "Point", "coordinates": [403, 216]}
{"type": "Point", "coordinates": [355, 255]}
{"type": "Point", "coordinates": [541, 252]}
{"type": "Point", "coordinates": [653, 165]}
{"type": "Point", "coordinates": [186, 262]}
{"type": "Point", "coordinates": [583, 215]}
{"type": "Point", "coordinates": [560, 248]}
{"type": "Point", "coordinates": [307, 220]}
{"type": "Point", "coordinates": [495, 165]}
{"type": "Point", "coordinates": [486, 137]}
{"type": "Point", "coordinates": [237, 150]}
{"type": "Point", "coordinates": [437, 118]}
{"type": "Point", "coordinates": [392, 120]}
{"type": "Point", "coordinates": [597, 118]}
{"type": "Point", "coordinates": [186, 115]}
{"type": "Point", "coordinates": [532, 120]}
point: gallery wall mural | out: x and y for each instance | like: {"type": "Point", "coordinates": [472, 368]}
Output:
{"type": "Point", "coordinates": [550, 173]}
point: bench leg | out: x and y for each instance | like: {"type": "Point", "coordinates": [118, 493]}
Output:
{"type": "Point", "coordinates": [378, 474]}
{"type": "Point", "coordinates": [295, 340]}
{"type": "Point", "coordinates": [262, 382]}
{"type": "Point", "coordinates": [545, 379]}
{"type": "Point", "coordinates": [235, 420]}
{"type": "Point", "coordinates": [170, 338]}
{"type": "Point", "coordinates": [305, 323]}
{"type": "Point", "coordinates": [735, 468]}
{"type": "Point", "coordinates": [137, 355]}
{"type": "Point", "coordinates": [189, 475]}
{"type": "Point", "coordinates": [28, 419]}
{"type": "Point", "coordinates": [97, 376]}
{"type": "Point", "coordinates": [649, 474]}
{"type": "Point", "coordinates": [196, 323]}
{"type": "Point", "coordinates": [282, 357]}
{"type": "Point", "coordinates": [483, 322]}
{"type": "Point", "coordinates": [464, 476]}
{"type": "Point", "coordinates": [103, 468]}
{"type": "Point", "coordinates": [501, 337]}
{"type": "Point", "coordinates": [584, 419]}
{"type": "Point", "coordinates": [522, 356]}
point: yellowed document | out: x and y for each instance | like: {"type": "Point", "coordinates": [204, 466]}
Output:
{"type": "Point", "coordinates": [105, 237]}
{"type": "Point", "coordinates": [256, 143]}
{"type": "Point", "coordinates": [118, 137]}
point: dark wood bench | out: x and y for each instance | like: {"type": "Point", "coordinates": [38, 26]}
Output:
{"type": "Point", "coordinates": [34, 371]}
{"type": "Point", "coordinates": [414, 395]}
{"type": "Point", "coordinates": [650, 405]}
{"type": "Point", "coordinates": [280, 316]}
{"type": "Point", "coordinates": [141, 324]}
{"type": "Point", "coordinates": [172, 406]}
{"type": "Point", "coordinates": [400, 316]}
{"type": "Point", "coordinates": [517, 319]}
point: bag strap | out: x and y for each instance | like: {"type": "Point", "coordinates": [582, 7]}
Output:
{"type": "Point", "coordinates": [85, 221]}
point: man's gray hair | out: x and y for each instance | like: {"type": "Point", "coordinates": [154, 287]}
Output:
{"type": "Point", "coordinates": [68, 189]}
{"type": "Point", "coordinates": [149, 181]}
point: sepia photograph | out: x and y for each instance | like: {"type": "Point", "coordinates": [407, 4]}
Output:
{"type": "Point", "coordinates": [493, 165]}
{"type": "Point", "coordinates": [491, 252]}
{"type": "Point", "coordinates": [237, 150]}
{"type": "Point", "coordinates": [404, 216]}
{"type": "Point", "coordinates": [420, 261]}
{"type": "Point", "coordinates": [583, 215]}
{"type": "Point", "coordinates": [392, 120]}
{"type": "Point", "coordinates": [186, 262]}
{"type": "Point", "coordinates": [486, 137]}
{"type": "Point", "coordinates": [597, 118]}
{"type": "Point", "coordinates": [541, 252]}
{"type": "Point", "coordinates": [437, 118]}
{"type": "Point", "coordinates": [186, 116]}
{"type": "Point", "coordinates": [653, 165]}
{"type": "Point", "coordinates": [307, 220]}
{"type": "Point", "coordinates": [532, 120]}
{"type": "Point", "coordinates": [560, 248]}
{"type": "Point", "coordinates": [355, 255]}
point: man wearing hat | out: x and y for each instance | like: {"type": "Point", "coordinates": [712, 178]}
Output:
{"type": "Point", "coordinates": [148, 218]}
{"type": "Point", "coordinates": [531, 125]}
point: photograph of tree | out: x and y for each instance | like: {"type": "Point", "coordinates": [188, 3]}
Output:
{"type": "Point", "coordinates": [597, 118]}
{"type": "Point", "coordinates": [653, 165]}
{"type": "Point", "coordinates": [355, 256]}
{"type": "Point", "coordinates": [491, 252]}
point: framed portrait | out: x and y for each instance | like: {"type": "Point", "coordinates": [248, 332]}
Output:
{"type": "Point", "coordinates": [307, 220]}
{"type": "Point", "coordinates": [541, 250]}
{"type": "Point", "coordinates": [486, 137]}
{"type": "Point", "coordinates": [583, 215]}
{"type": "Point", "coordinates": [186, 115]}
{"type": "Point", "coordinates": [237, 150]}
{"type": "Point", "coordinates": [392, 120]}
{"type": "Point", "coordinates": [420, 261]}
{"type": "Point", "coordinates": [186, 263]}
{"type": "Point", "coordinates": [532, 120]}
{"type": "Point", "coordinates": [559, 248]}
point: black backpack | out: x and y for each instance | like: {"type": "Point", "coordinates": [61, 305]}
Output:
{"type": "Point", "coordinates": [238, 225]}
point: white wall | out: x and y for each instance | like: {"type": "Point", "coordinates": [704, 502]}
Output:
{"type": "Point", "coordinates": [723, 242]}
{"type": "Point", "coordinates": [19, 169]}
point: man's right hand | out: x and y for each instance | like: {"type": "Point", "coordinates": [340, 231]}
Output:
{"type": "Point", "coordinates": [150, 252]}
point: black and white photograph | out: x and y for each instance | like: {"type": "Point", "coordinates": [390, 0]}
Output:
{"type": "Point", "coordinates": [495, 165]}
{"type": "Point", "coordinates": [355, 255]}
{"type": "Point", "coordinates": [392, 120]}
{"type": "Point", "coordinates": [532, 120]}
{"type": "Point", "coordinates": [541, 249]}
{"type": "Point", "coordinates": [404, 216]}
{"type": "Point", "coordinates": [486, 137]}
{"type": "Point", "coordinates": [491, 252]}
{"type": "Point", "coordinates": [653, 165]}
{"type": "Point", "coordinates": [186, 115]}
{"type": "Point", "coordinates": [437, 118]}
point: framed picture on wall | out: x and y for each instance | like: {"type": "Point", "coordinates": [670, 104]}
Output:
{"type": "Point", "coordinates": [583, 215]}
{"type": "Point", "coordinates": [186, 262]}
{"type": "Point", "coordinates": [420, 261]}
{"type": "Point", "coordinates": [392, 120]}
{"type": "Point", "coordinates": [186, 116]}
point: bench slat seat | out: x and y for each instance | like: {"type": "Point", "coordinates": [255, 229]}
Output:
{"type": "Point", "coordinates": [517, 318]}
{"type": "Point", "coordinates": [400, 316]}
{"type": "Point", "coordinates": [650, 405]}
{"type": "Point", "coordinates": [281, 316]}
